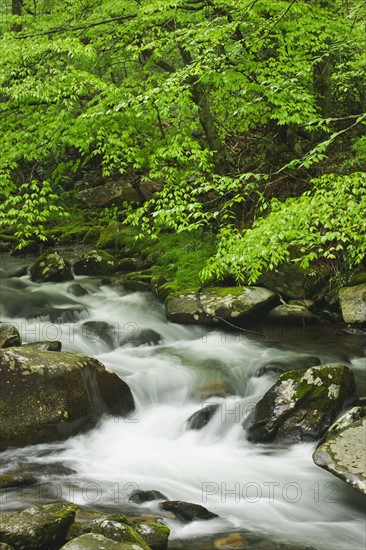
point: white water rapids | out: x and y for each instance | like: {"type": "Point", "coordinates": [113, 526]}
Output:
{"type": "Point", "coordinates": [262, 488]}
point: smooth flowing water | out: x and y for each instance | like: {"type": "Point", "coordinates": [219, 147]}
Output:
{"type": "Point", "coordinates": [265, 489]}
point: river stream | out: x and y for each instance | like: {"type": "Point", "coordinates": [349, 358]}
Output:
{"type": "Point", "coordinates": [270, 490]}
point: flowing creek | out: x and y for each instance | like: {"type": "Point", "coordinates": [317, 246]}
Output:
{"type": "Point", "coordinates": [269, 490]}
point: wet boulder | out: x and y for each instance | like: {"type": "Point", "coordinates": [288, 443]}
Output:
{"type": "Point", "coordinates": [9, 336]}
{"type": "Point", "coordinates": [284, 365]}
{"type": "Point", "coordinates": [47, 396]}
{"type": "Point", "coordinates": [201, 418]}
{"type": "Point", "coordinates": [95, 331]}
{"type": "Point", "coordinates": [38, 527]}
{"type": "Point", "coordinates": [353, 304]}
{"type": "Point", "coordinates": [342, 450]}
{"type": "Point", "coordinates": [139, 497]}
{"type": "Point", "coordinates": [186, 511]}
{"type": "Point", "coordinates": [301, 405]}
{"type": "Point", "coordinates": [51, 267]}
{"type": "Point", "coordinates": [95, 262]}
{"type": "Point", "coordinates": [77, 290]}
{"type": "Point", "coordinates": [214, 304]}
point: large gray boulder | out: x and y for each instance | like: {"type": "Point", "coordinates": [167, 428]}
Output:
{"type": "Point", "coordinates": [47, 396]}
{"type": "Point", "coordinates": [51, 267]}
{"type": "Point", "coordinates": [214, 304]}
{"type": "Point", "coordinates": [342, 450]}
{"type": "Point", "coordinates": [353, 304]}
{"type": "Point", "coordinates": [39, 527]}
{"type": "Point", "coordinates": [9, 336]}
{"type": "Point", "coordinates": [301, 405]}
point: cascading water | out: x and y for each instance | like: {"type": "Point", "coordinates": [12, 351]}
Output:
{"type": "Point", "coordinates": [262, 488]}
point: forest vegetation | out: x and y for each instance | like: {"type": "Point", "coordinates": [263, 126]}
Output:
{"type": "Point", "coordinates": [244, 120]}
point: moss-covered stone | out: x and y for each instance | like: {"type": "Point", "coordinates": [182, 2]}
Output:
{"type": "Point", "coordinates": [51, 267]}
{"type": "Point", "coordinates": [342, 451]}
{"type": "Point", "coordinates": [155, 535]}
{"type": "Point", "coordinates": [92, 235]}
{"type": "Point", "coordinates": [46, 396]}
{"type": "Point", "coordinates": [9, 336]}
{"type": "Point", "coordinates": [95, 262]}
{"type": "Point", "coordinates": [119, 532]}
{"type": "Point", "coordinates": [301, 405]}
{"type": "Point", "coordinates": [39, 527]}
{"type": "Point", "coordinates": [353, 304]}
{"type": "Point", "coordinates": [214, 304]}
{"type": "Point", "coordinates": [290, 281]}
{"type": "Point", "coordinates": [291, 314]}
{"type": "Point", "coordinates": [16, 479]}
{"type": "Point", "coordinates": [95, 541]}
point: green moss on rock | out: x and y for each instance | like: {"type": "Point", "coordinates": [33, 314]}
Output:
{"type": "Point", "coordinates": [39, 527]}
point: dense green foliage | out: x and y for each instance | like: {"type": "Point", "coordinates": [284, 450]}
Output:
{"type": "Point", "coordinates": [220, 105]}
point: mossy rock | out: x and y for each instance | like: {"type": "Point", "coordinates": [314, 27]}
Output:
{"type": "Point", "coordinates": [38, 527]}
{"type": "Point", "coordinates": [47, 396]}
{"type": "Point", "coordinates": [213, 304]}
{"type": "Point", "coordinates": [291, 314]}
{"type": "Point", "coordinates": [301, 405]}
{"type": "Point", "coordinates": [155, 535]}
{"type": "Point", "coordinates": [9, 336]}
{"type": "Point", "coordinates": [92, 235]}
{"type": "Point", "coordinates": [290, 281]}
{"type": "Point", "coordinates": [16, 479]}
{"type": "Point", "coordinates": [119, 238]}
{"type": "Point", "coordinates": [114, 530]}
{"type": "Point", "coordinates": [95, 262]}
{"type": "Point", "coordinates": [51, 267]}
{"type": "Point", "coordinates": [353, 304]}
{"type": "Point", "coordinates": [95, 541]}
{"type": "Point", "coordinates": [342, 450]}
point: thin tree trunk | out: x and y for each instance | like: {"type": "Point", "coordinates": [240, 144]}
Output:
{"type": "Point", "coordinates": [16, 9]}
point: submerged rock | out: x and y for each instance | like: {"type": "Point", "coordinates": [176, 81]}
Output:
{"type": "Point", "coordinates": [38, 527]}
{"type": "Point", "coordinates": [301, 405]}
{"type": "Point", "coordinates": [77, 290]}
{"type": "Point", "coordinates": [139, 496]}
{"type": "Point", "coordinates": [142, 337]}
{"type": "Point", "coordinates": [342, 450]}
{"type": "Point", "coordinates": [47, 396]}
{"type": "Point", "coordinates": [214, 304]}
{"type": "Point", "coordinates": [186, 511]}
{"type": "Point", "coordinates": [51, 267]}
{"type": "Point", "coordinates": [353, 304]}
{"type": "Point", "coordinates": [9, 336]}
{"type": "Point", "coordinates": [201, 418]}
{"type": "Point", "coordinates": [94, 331]}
